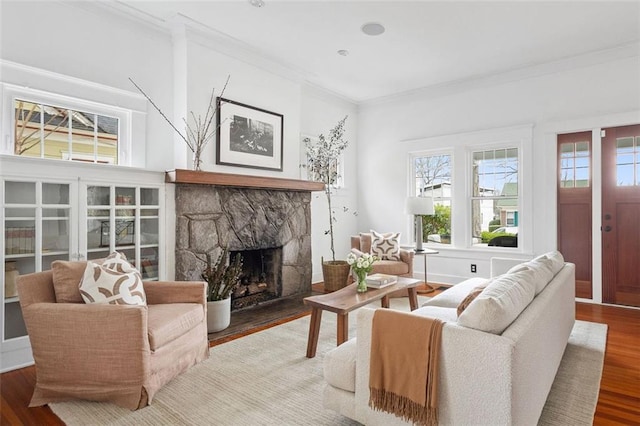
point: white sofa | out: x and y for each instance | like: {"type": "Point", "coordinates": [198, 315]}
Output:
{"type": "Point", "coordinates": [485, 378]}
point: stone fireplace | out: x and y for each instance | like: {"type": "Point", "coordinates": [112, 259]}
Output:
{"type": "Point", "coordinates": [267, 220]}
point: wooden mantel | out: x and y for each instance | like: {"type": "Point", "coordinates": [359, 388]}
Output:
{"type": "Point", "coordinates": [241, 181]}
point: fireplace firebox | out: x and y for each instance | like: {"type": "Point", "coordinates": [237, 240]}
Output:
{"type": "Point", "coordinates": [261, 277]}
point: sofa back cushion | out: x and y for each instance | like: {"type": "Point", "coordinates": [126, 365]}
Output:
{"type": "Point", "coordinates": [544, 268]}
{"type": "Point", "coordinates": [500, 303]}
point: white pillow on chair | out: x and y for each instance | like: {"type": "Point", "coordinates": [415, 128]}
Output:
{"type": "Point", "coordinates": [116, 282]}
{"type": "Point", "coordinates": [385, 246]}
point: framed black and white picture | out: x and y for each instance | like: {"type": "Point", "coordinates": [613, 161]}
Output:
{"type": "Point", "coordinates": [248, 136]}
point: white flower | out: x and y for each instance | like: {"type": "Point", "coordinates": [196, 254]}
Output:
{"type": "Point", "coordinates": [351, 258]}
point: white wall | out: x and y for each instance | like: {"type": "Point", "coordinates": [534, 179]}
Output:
{"type": "Point", "coordinates": [83, 41]}
{"type": "Point", "coordinates": [595, 91]}
{"type": "Point", "coordinates": [250, 85]}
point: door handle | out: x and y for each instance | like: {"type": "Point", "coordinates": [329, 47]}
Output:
{"type": "Point", "coordinates": [607, 228]}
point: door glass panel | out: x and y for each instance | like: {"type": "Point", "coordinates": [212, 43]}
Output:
{"type": "Point", "coordinates": [626, 161]}
{"type": "Point", "coordinates": [55, 236]}
{"type": "Point", "coordinates": [148, 231]}
{"type": "Point", "coordinates": [20, 193]}
{"type": "Point", "coordinates": [98, 254]}
{"type": "Point", "coordinates": [574, 165]}
{"type": "Point", "coordinates": [124, 233]}
{"type": "Point", "coordinates": [97, 234]}
{"type": "Point", "coordinates": [20, 234]}
{"type": "Point", "coordinates": [55, 193]}
{"type": "Point", "coordinates": [47, 260]}
{"type": "Point", "coordinates": [149, 196]}
{"type": "Point", "coordinates": [98, 195]}
{"type": "Point", "coordinates": [148, 212]}
{"type": "Point", "coordinates": [129, 213]}
{"type": "Point", "coordinates": [149, 263]}
{"type": "Point", "coordinates": [131, 256]}
{"type": "Point", "coordinates": [18, 212]}
{"type": "Point", "coordinates": [55, 230]}
{"type": "Point", "coordinates": [125, 196]}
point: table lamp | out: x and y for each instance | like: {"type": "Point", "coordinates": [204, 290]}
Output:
{"type": "Point", "coordinates": [419, 206]}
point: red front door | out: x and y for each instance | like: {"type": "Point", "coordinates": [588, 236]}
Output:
{"type": "Point", "coordinates": [621, 215]}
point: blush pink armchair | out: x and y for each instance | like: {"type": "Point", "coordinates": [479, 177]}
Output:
{"type": "Point", "coordinates": [402, 267]}
{"type": "Point", "coordinates": [118, 353]}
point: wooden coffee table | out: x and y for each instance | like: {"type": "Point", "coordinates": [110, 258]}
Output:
{"type": "Point", "coordinates": [346, 300]}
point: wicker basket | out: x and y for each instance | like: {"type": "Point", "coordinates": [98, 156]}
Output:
{"type": "Point", "coordinates": [336, 274]}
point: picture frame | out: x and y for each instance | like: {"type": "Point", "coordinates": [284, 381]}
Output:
{"type": "Point", "coordinates": [248, 136]}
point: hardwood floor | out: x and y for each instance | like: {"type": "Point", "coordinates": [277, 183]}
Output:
{"type": "Point", "coordinates": [619, 399]}
{"type": "Point", "coordinates": [618, 403]}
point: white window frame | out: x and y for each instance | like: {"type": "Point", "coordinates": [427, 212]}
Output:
{"type": "Point", "coordinates": [23, 81]}
{"type": "Point", "coordinates": [471, 197]}
{"type": "Point", "coordinates": [11, 93]}
{"type": "Point", "coordinates": [463, 145]}
{"type": "Point", "coordinates": [413, 189]}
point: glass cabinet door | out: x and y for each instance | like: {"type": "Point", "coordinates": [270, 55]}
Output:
{"type": "Point", "coordinates": [124, 219]}
{"type": "Point", "coordinates": [37, 220]}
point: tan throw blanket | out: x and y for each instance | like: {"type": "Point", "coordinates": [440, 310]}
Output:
{"type": "Point", "coordinates": [403, 376]}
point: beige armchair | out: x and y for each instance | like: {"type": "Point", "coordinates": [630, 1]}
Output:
{"type": "Point", "coordinates": [118, 353]}
{"type": "Point", "coordinates": [402, 267]}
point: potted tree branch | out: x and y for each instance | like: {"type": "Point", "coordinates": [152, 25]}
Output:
{"type": "Point", "coordinates": [322, 161]}
{"type": "Point", "coordinates": [221, 280]}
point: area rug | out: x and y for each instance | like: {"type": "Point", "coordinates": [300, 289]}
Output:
{"type": "Point", "coordinates": [265, 379]}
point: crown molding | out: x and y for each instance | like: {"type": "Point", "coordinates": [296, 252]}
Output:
{"type": "Point", "coordinates": [182, 26]}
{"type": "Point", "coordinates": [524, 72]}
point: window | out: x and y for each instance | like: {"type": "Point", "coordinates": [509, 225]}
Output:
{"type": "Point", "coordinates": [51, 131]}
{"type": "Point", "coordinates": [574, 164]}
{"type": "Point", "coordinates": [495, 198]}
{"type": "Point", "coordinates": [432, 178]}
{"type": "Point", "coordinates": [628, 161]}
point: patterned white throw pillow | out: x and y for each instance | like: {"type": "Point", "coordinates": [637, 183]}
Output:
{"type": "Point", "coordinates": [385, 246]}
{"type": "Point", "coordinates": [116, 282]}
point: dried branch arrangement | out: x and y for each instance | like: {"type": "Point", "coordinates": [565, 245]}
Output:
{"type": "Point", "coordinates": [201, 131]}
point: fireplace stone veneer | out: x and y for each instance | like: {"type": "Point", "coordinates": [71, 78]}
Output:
{"type": "Point", "coordinates": [209, 217]}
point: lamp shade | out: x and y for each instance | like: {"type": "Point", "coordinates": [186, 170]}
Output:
{"type": "Point", "coordinates": [419, 206]}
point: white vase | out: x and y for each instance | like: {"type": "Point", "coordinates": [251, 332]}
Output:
{"type": "Point", "coordinates": [218, 315]}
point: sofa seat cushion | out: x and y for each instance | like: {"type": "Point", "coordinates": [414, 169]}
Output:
{"type": "Point", "coordinates": [340, 366]}
{"type": "Point", "coordinates": [391, 267]}
{"type": "Point", "coordinates": [452, 297]}
{"type": "Point", "coordinates": [439, 312]}
{"type": "Point", "coordinates": [500, 303]}
{"type": "Point", "coordinates": [169, 321]}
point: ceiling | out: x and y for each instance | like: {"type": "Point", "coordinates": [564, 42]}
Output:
{"type": "Point", "coordinates": [426, 43]}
